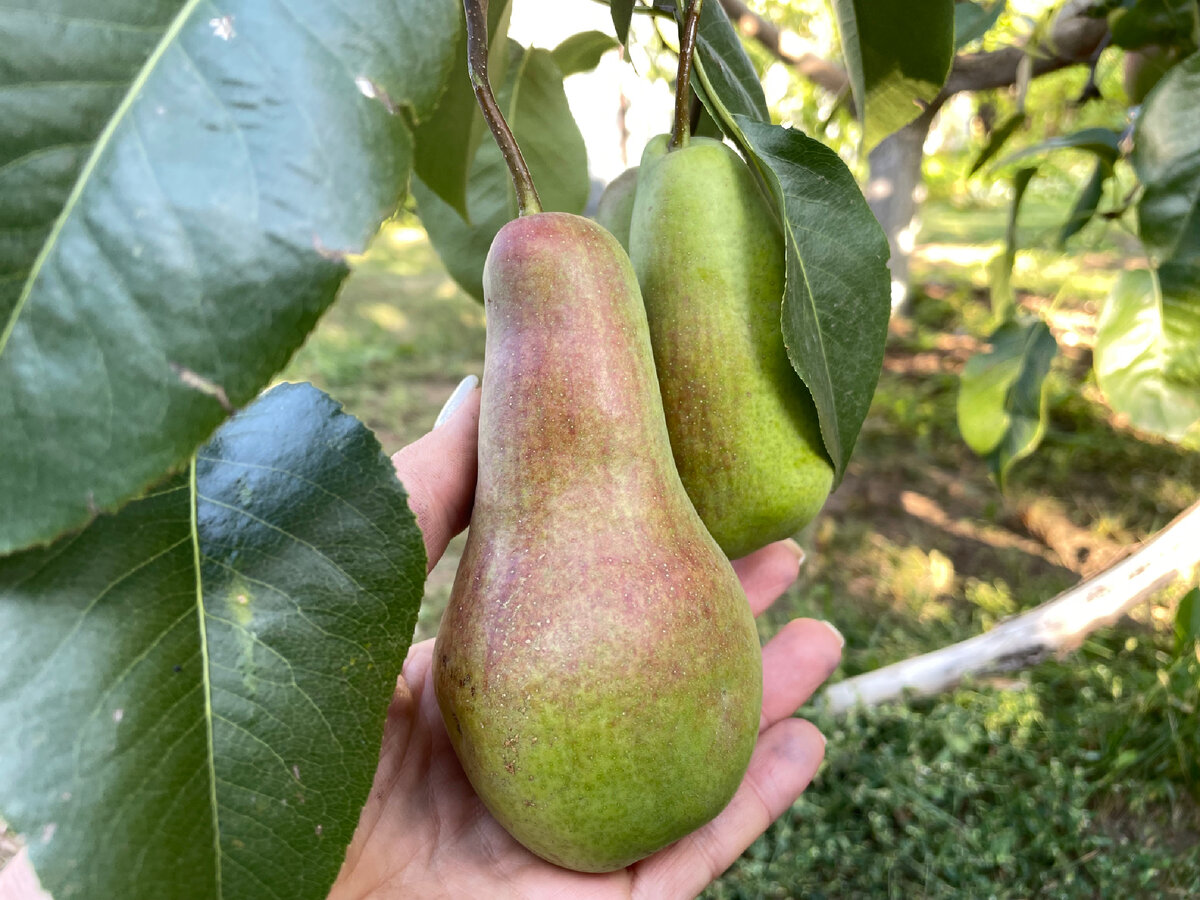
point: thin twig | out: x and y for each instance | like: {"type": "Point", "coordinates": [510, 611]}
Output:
{"type": "Point", "coordinates": [477, 56]}
{"type": "Point", "coordinates": [687, 46]}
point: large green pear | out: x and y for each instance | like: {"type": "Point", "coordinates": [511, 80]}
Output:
{"type": "Point", "coordinates": [709, 257]}
{"type": "Point", "coordinates": [598, 668]}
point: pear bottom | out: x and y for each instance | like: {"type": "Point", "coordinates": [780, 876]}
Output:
{"type": "Point", "coordinates": [595, 769]}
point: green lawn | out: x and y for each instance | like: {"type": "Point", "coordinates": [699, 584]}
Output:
{"type": "Point", "coordinates": [1077, 778]}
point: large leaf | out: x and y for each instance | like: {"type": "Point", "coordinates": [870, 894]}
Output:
{"type": "Point", "coordinates": [837, 300]}
{"type": "Point", "coordinates": [898, 54]}
{"type": "Point", "coordinates": [581, 52]}
{"type": "Point", "coordinates": [446, 141]}
{"type": "Point", "coordinates": [1147, 354]}
{"type": "Point", "coordinates": [1166, 155]}
{"type": "Point", "coordinates": [178, 186]}
{"type": "Point", "coordinates": [193, 690]}
{"type": "Point", "coordinates": [1002, 394]}
{"type": "Point", "coordinates": [728, 71]}
{"type": "Point", "coordinates": [535, 106]}
{"type": "Point", "coordinates": [973, 20]}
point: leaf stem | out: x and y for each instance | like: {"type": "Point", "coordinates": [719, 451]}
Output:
{"type": "Point", "coordinates": [687, 45]}
{"type": "Point", "coordinates": [477, 62]}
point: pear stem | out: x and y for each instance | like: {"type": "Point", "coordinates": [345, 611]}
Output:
{"type": "Point", "coordinates": [477, 65]}
{"type": "Point", "coordinates": [687, 47]}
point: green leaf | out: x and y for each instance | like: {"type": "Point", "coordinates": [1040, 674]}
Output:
{"type": "Point", "coordinates": [179, 184]}
{"type": "Point", "coordinates": [1166, 155]}
{"type": "Point", "coordinates": [193, 690]}
{"type": "Point", "coordinates": [706, 125]}
{"type": "Point", "coordinates": [446, 141]}
{"type": "Point", "coordinates": [1002, 394]}
{"type": "Point", "coordinates": [1158, 22]}
{"type": "Point", "coordinates": [535, 105]}
{"type": "Point", "coordinates": [622, 16]}
{"type": "Point", "coordinates": [728, 71]}
{"type": "Point", "coordinates": [1104, 143]}
{"type": "Point", "coordinates": [1087, 202]}
{"type": "Point", "coordinates": [973, 20]}
{"type": "Point", "coordinates": [837, 301]}
{"type": "Point", "coordinates": [1187, 621]}
{"type": "Point", "coordinates": [898, 54]}
{"type": "Point", "coordinates": [998, 138]}
{"type": "Point", "coordinates": [1004, 301]}
{"type": "Point", "coordinates": [1147, 353]}
{"type": "Point", "coordinates": [581, 52]}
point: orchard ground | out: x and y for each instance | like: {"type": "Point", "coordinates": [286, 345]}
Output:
{"type": "Point", "coordinates": [1077, 778]}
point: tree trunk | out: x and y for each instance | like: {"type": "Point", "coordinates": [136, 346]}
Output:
{"type": "Point", "coordinates": [892, 190]}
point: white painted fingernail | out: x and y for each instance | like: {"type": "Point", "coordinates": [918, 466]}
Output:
{"type": "Point", "coordinates": [456, 399]}
{"type": "Point", "coordinates": [837, 634]}
{"type": "Point", "coordinates": [795, 548]}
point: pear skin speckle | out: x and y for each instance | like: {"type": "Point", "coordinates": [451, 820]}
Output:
{"type": "Point", "coordinates": [598, 666]}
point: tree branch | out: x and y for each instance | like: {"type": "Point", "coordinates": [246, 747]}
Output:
{"type": "Point", "coordinates": [788, 46]}
{"type": "Point", "coordinates": [1055, 627]}
{"type": "Point", "coordinates": [1075, 38]}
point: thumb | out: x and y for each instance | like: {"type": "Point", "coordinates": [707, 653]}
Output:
{"type": "Point", "coordinates": [438, 470]}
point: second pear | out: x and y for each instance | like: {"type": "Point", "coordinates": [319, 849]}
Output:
{"type": "Point", "coordinates": [709, 257]}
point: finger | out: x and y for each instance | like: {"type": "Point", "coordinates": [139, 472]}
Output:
{"type": "Point", "coordinates": [18, 881]}
{"type": "Point", "coordinates": [765, 574]}
{"type": "Point", "coordinates": [783, 764]}
{"type": "Point", "coordinates": [795, 663]}
{"type": "Point", "coordinates": [438, 471]}
{"type": "Point", "coordinates": [418, 661]}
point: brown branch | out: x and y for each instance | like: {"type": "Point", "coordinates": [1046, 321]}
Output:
{"type": "Point", "coordinates": [1075, 39]}
{"type": "Point", "coordinates": [788, 46]}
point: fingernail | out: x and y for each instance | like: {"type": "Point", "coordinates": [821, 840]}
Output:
{"type": "Point", "coordinates": [837, 634]}
{"type": "Point", "coordinates": [796, 549]}
{"type": "Point", "coordinates": [824, 740]}
{"type": "Point", "coordinates": [456, 399]}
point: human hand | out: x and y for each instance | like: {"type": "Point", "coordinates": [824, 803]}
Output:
{"type": "Point", "coordinates": [424, 833]}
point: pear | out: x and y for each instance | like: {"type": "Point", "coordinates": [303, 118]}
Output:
{"type": "Point", "coordinates": [614, 210]}
{"type": "Point", "coordinates": [709, 257]}
{"type": "Point", "coordinates": [597, 666]}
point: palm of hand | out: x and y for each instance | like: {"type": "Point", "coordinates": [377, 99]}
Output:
{"type": "Point", "coordinates": [424, 832]}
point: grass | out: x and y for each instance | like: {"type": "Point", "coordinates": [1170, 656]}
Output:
{"type": "Point", "coordinates": [1077, 778]}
